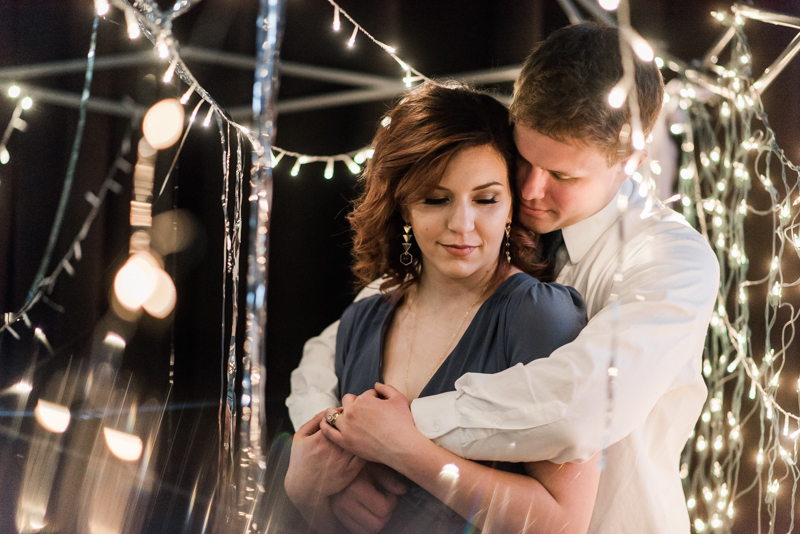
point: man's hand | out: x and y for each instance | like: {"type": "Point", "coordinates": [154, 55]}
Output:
{"type": "Point", "coordinates": [377, 425]}
{"type": "Point", "coordinates": [318, 468]}
{"type": "Point", "coordinates": [366, 504]}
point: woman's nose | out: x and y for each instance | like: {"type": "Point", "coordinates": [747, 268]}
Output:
{"type": "Point", "coordinates": [462, 218]}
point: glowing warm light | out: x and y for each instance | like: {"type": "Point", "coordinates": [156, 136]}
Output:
{"type": "Point", "coordinates": [336, 23]}
{"type": "Point", "coordinates": [162, 299]}
{"type": "Point", "coordinates": [207, 120]}
{"type": "Point", "coordinates": [52, 416]}
{"type": "Point", "coordinates": [136, 281]}
{"type": "Point", "coordinates": [22, 386]}
{"type": "Point", "coordinates": [114, 340]}
{"type": "Point", "coordinates": [449, 472]}
{"type": "Point", "coordinates": [609, 5]}
{"type": "Point", "coordinates": [170, 70]}
{"type": "Point", "coordinates": [5, 157]}
{"type": "Point", "coordinates": [14, 91]}
{"type": "Point", "coordinates": [163, 123]}
{"type": "Point", "coordinates": [124, 446]}
{"type": "Point", "coordinates": [630, 166]}
{"type": "Point", "coordinates": [361, 158]}
{"type": "Point", "coordinates": [133, 26]}
{"type": "Point", "coordinates": [617, 96]}
{"type": "Point", "coordinates": [27, 103]}
{"type": "Point", "coordinates": [637, 140]}
{"type": "Point", "coordinates": [329, 169]}
{"type": "Point", "coordinates": [642, 49]}
{"type": "Point", "coordinates": [352, 39]}
{"type": "Point", "coordinates": [352, 165]}
{"type": "Point", "coordinates": [102, 7]}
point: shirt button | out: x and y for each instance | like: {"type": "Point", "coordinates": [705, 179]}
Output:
{"type": "Point", "coordinates": [436, 426]}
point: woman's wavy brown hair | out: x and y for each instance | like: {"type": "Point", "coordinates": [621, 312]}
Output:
{"type": "Point", "coordinates": [427, 128]}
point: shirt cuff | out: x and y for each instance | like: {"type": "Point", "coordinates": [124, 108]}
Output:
{"type": "Point", "coordinates": [435, 415]}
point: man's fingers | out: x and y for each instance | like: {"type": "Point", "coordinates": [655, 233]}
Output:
{"type": "Point", "coordinates": [312, 425]}
{"type": "Point", "coordinates": [362, 508]}
{"type": "Point", "coordinates": [387, 478]}
{"type": "Point", "coordinates": [347, 400]}
{"type": "Point", "coordinates": [332, 434]}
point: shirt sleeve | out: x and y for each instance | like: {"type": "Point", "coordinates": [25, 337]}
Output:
{"type": "Point", "coordinates": [314, 384]}
{"type": "Point", "coordinates": [554, 408]}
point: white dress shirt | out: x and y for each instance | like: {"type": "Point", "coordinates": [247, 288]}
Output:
{"type": "Point", "coordinates": [555, 408]}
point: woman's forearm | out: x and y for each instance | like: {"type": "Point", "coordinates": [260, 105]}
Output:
{"type": "Point", "coordinates": [505, 501]}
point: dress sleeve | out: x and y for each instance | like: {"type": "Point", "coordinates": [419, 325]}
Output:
{"type": "Point", "coordinates": [540, 320]}
{"type": "Point", "coordinates": [554, 408]}
{"type": "Point", "coordinates": [315, 386]}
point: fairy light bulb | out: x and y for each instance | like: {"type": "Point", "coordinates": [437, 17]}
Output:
{"type": "Point", "coordinates": [14, 91]}
{"type": "Point", "coordinates": [162, 47]}
{"type": "Point", "coordinates": [136, 281]}
{"type": "Point", "coordinates": [132, 24]}
{"type": "Point", "coordinates": [360, 158]}
{"type": "Point", "coordinates": [352, 41]}
{"type": "Point", "coordinates": [276, 159]}
{"type": "Point", "coordinates": [617, 96]}
{"type": "Point", "coordinates": [163, 123]}
{"type": "Point", "coordinates": [188, 94]}
{"type": "Point", "coordinates": [296, 167]}
{"type": "Point", "coordinates": [52, 416]}
{"type": "Point", "coordinates": [637, 139]}
{"type": "Point", "coordinates": [329, 169]}
{"type": "Point", "coordinates": [352, 165]}
{"type": "Point", "coordinates": [26, 103]}
{"type": "Point", "coordinates": [5, 157]}
{"type": "Point", "coordinates": [170, 70]}
{"type": "Point", "coordinates": [643, 49]}
{"type": "Point", "coordinates": [124, 446]}
{"type": "Point", "coordinates": [102, 7]}
{"type": "Point", "coordinates": [207, 120]}
{"type": "Point", "coordinates": [336, 23]}
{"type": "Point", "coordinates": [609, 5]}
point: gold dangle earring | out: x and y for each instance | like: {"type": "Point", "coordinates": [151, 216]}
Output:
{"type": "Point", "coordinates": [508, 251]}
{"type": "Point", "coordinates": [406, 258]}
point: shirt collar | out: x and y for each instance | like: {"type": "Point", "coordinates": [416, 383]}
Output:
{"type": "Point", "coordinates": [580, 236]}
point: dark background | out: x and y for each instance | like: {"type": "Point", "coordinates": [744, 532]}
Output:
{"type": "Point", "coordinates": [309, 281]}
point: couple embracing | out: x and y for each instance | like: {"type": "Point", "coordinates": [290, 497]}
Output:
{"type": "Point", "coordinates": [468, 387]}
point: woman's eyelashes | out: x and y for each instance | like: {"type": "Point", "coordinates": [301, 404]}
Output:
{"type": "Point", "coordinates": [438, 201]}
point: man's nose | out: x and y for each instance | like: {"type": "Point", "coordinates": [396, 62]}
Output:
{"type": "Point", "coordinates": [532, 183]}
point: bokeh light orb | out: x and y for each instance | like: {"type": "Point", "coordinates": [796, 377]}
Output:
{"type": "Point", "coordinates": [124, 446]}
{"type": "Point", "coordinates": [52, 416]}
{"type": "Point", "coordinates": [163, 123]}
{"type": "Point", "coordinates": [136, 281]}
{"type": "Point", "coordinates": [162, 299]}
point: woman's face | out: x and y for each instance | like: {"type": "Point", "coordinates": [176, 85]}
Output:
{"type": "Point", "coordinates": [460, 227]}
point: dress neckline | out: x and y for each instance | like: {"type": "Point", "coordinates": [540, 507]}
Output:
{"type": "Point", "coordinates": [501, 289]}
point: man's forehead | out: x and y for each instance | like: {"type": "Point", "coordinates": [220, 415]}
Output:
{"type": "Point", "coordinates": [569, 156]}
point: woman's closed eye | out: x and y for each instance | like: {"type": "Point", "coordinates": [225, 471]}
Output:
{"type": "Point", "coordinates": [490, 200]}
{"type": "Point", "coordinates": [435, 201]}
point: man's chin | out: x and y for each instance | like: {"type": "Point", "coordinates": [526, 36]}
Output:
{"type": "Point", "coordinates": [536, 225]}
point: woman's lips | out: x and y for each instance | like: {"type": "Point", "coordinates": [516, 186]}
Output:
{"type": "Point", "coordinates": [459, 250]}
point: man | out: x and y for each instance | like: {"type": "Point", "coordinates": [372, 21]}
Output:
{"type": "Point", "coordinates": [647, 278]}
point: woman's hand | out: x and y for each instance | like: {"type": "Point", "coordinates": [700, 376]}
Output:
{"type": "Point", "coordinates": [318, 468]}
{"type": "Point", "coordinates": [376, 426]}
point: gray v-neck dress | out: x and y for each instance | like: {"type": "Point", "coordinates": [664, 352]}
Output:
{"type": "Point", "coordinates": [523, 320]}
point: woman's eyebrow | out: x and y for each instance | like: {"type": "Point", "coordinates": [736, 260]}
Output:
{"type": "Point", "coordinates": [478, 188]}
{"type": "Point", "coordinates": [484, 186]}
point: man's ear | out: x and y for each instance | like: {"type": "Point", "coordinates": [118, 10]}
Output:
{"type": "Point", "coordinates": [631, 163]}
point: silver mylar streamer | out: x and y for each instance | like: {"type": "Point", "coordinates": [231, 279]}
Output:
{"type": "Point", "coordinates": [252, 465]}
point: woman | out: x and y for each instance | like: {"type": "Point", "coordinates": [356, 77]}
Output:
{"type": "Point", "coordinates": [435, 221]}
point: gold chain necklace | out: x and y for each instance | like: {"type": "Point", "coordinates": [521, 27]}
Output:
{"type": "Point", "coordinates": [413, 311]}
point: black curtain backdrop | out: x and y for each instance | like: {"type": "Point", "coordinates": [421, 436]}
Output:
{"type": "Point", "coordinates": [309, 281]}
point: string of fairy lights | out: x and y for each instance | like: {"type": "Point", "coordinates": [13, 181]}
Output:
{"type": "Point", "coordinates": [725, 143]}
{"type": "Point", "coordinates": [727, 150]}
